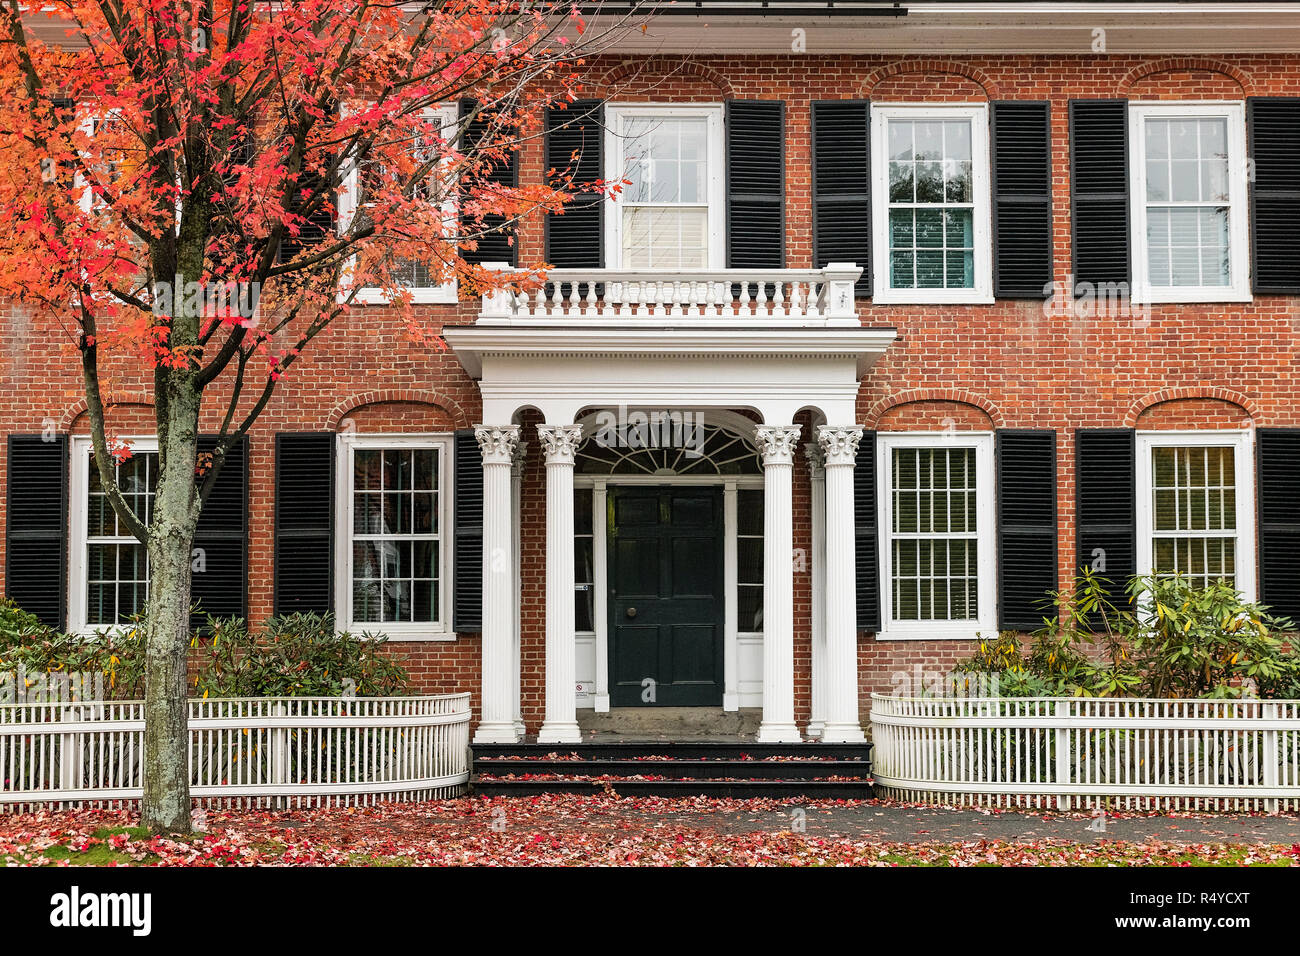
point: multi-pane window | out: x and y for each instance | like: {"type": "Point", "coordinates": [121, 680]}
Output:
{"type": "Point", "coordinates": [934, 536]}
{"type": "Point", "coordinates": [419, 277]}
{"type": "Point", "coordinates": [396, 569]}
{"type": "Point", "coordinates": [117, 565]}
{"type": "Point", "coordinates": [930, 167]}
{"type": "Point", "coordinates": [1194, 513]}
{"type": "Point", "coordinates": [749, 563]}
{"type": "Point", "coordinates": [668, 213]}
{"type": "Point", "coordinates": [936, 541]}
{"type": "Point", "coordinates": [1189, 201]}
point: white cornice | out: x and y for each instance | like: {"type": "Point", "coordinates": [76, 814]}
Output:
{"type": "Point", "coordinates": [471, 343]}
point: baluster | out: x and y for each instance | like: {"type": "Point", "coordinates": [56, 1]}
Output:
{"type": "Point", "coordinates": [796, 298]}
{"type": "Point", "coordinates": [813, 305]}
{"type": "Point", "coordinates": [574, 299]}
{"type": "Point", "coordinates": [778, 299]}
{"type": "Point", "coordinates": [557, 301]}
{"type": "Point", "coordinates": [675, 293]}
{"type": "Point", "coordinates": [592, 305]}
{"type": "Point", "coordinates": [743, 308]}
{"type": "Point", "coordinates": [539, 304]}
{"type": "Point", "coordinates": [658, 308]}
{"type": "Point", "coordinates": [615, 300]}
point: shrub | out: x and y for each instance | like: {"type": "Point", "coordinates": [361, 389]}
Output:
{"type": "Point", "coordinates": [1170, 640]}
{"type": "Point", "coordinates": [295, 655]}
{"type": "Point", "coordinates": [298, 655]}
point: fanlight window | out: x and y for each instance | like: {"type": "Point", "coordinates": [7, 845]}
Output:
{"type": "Point", "coordinates": [680, 446]}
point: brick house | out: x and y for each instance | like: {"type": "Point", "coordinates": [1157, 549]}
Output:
{"type": "Point", "coordinates": [910, 311]}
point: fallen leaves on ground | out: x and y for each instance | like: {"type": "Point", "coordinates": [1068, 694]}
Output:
{"type": "Point", "coordinates": [565, 830]}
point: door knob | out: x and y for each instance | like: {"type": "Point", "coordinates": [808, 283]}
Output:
{"type": "Point", "coordinates": [631, 612]}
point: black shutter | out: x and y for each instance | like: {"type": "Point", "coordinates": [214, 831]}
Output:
{"type": "Point", "coordinates": [1026, 465]}
{"type": "Point", "coordinates": [1099, 212]}
{"type": "Point", "coordinates": [467, 600]}
{"type": "Point", "coordinates": [1022, 199]}
{"type": "Point", "coordinates": [36, 530]}
{"type": "Point", "coordinates": [755, 184]}
{"type": "Point", "coordinates": [1278, 477]}
{"type": "Point", "coordinates": [304, 522]}
{"type": "Point", "coordinates": [866, 555]}
{"type": "Point", "coordinates": [1274, 127]}
{"type": "Point", "coordinates": [1106, 495]}
{"type": "Point", "coordinates": [841, 136]}
{"type": "Point", "coordinates": [575, 141]}
{"type": "Point", "coordinates": [221, 568]}
{"type": "Point", "coordinates": [497, 243]}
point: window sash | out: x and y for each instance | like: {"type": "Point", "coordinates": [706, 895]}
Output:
{"type": "Point", "coordinates": [438, 574]}
{"type": "Point", "coordinates": [1158, 282]}
{"type": "Point", "coordinates": [973, 259]}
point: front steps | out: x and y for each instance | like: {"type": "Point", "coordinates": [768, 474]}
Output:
{"type": "Point", "coordinates": [711, 768]}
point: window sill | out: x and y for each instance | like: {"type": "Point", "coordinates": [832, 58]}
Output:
{"type": "Point", "coordinates": [439, 295]}
{"type": "Point", "coordinates": [1190, 296]}
{"type": "Point", "coordinates": [413, 635]}
{"type": "Point", "coordinates": [937, 631]}
{"type": "Point", "coordinates": [906, 297]}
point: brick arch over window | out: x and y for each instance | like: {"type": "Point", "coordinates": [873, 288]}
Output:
{"type": "Point", "coordinates": [110, 399]}
{"type": "Point", "coordinates": [1152, 68]}
{"type": "Point", "coordinates": [949, 67]}
{"type": "Point", "coordinates": [1249, 408]}
{"type": "Point", "coordinates": [657, 69]}
{"type": "Point", "coordinates": [955, 395]}
{"type": "Point", "coordinates": [396, 396]}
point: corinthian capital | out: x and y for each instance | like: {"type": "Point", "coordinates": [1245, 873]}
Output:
{"type": "Point", "coordinates": [776, 443]}
{"type": "Point", "coordinates": [559, 442]}
{"type": "Point", "coordinates": [840, 443]}
{"type": "Point", "coordinates": [497, 443]}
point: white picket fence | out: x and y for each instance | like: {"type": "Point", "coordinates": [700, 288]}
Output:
{"type": "Point", "coordinates": [1088, 752]}
{"type": "Point", "coordinates": [264, 752]}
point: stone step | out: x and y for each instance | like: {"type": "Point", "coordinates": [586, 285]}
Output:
{"type": "Point", "coordinates": [745, 789]}
{"type": "Point", "coordinates": [671, 723]}
{"type": "Point", "coordinates": [786, 769]}
{"type": "Point", "coordinates": [620, 749]}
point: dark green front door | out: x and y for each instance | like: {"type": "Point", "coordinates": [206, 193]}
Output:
{"type": "Point", "coordinates": [665, 596]}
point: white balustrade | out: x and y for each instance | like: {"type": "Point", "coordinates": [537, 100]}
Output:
{"type": "Point", "coordinates": [773, 296]}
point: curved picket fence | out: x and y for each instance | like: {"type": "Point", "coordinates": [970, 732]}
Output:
{"type": "Point", "coordinates": [1092, 753]}
{"type": "Point", "coordinates": [264, 752]}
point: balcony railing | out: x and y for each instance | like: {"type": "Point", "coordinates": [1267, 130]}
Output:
{"type": "Point", "coordinates": [779, 297]}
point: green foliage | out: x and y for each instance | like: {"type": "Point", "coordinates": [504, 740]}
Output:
{"type": "Point", "coordinates": [295, 655]}
{"type": "Point", "coordinates": [1170, 640]}
{"type": "Point", "coordinates": [298, 655]}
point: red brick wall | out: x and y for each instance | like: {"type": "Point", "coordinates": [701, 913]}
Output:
{"type": "Point", "coordinates": [967, 367]}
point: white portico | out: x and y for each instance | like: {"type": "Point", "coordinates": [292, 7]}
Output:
{"type": "Point", "coordinates": [747, 353]}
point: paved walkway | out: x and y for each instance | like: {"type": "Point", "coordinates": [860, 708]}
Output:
{"type": "Point", "coordinates": [895, 824]}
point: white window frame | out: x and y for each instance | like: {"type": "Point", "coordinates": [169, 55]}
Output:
{"type": "Point", "coordinates": [1242, 441]}
{"type": "Point", "coordinates": [616, 117]}
{"type": "Point", "coordinates": [1238, 290]}
{"type": "Point", "coordinates": [444, 293]}
{"type": "Point", "coordinates": [348, 442]}
{"type": "Point", "coordinates": [981, 196]}
{"type": "Point", "coordinates": [80, 448]}
{"type": "Point", "coordinates": [969, 629]}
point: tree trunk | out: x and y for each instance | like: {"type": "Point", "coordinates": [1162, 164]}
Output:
{"type": "Point", "coordinates": [166, 804]}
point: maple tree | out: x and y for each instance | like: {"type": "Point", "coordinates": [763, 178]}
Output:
{"type": "Point", "coordinates": [156, 153]}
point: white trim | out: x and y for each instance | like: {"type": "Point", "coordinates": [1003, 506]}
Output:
{"type": "Point", "coordinates": [1238, 289]}
{"type": "Point", "coordinates": [343, 502]}
{"type": "Point", "coordinates": [445, 292]}
{"type": "Point", "coordinates": [80, 449]}
{"type": "Point", "coordinates": [1242, 441]}
{"type": "Point", "coordinates": [616, 115]}
{"type": "Point", "coordinates": [981, 201]}
{"type": "Point", "coordinates": [986, 622]}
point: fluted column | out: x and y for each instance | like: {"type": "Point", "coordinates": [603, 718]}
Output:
{"type": "Point", "coordinates": [560, 726]}
{"type": "Point", "coordinates": [516, 584]}
{"type": "Point", "coordinates": [776, 443]}
{"type": "Point", "coordinates": [817, 474]}
{"type": "Point", "coordinates": [497, 722]}
{"type": "Point", "coordinates": [840, 689]}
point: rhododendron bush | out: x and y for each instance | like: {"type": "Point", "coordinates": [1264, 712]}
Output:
{"type": "Point", "coordinates": [168, 174]}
